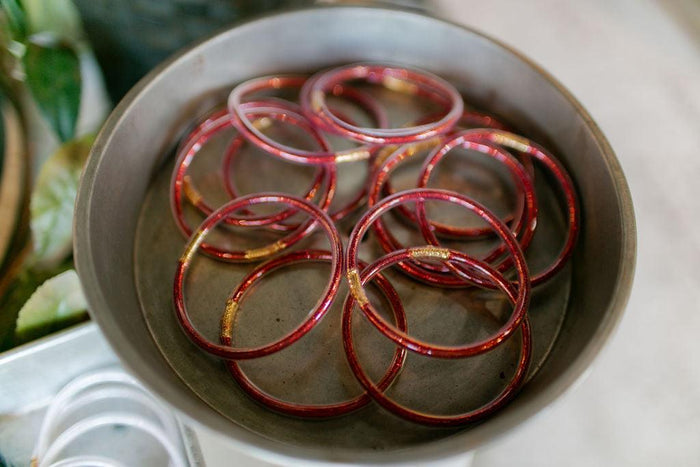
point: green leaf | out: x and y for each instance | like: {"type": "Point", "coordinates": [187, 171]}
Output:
{"type": "Point", "coordinates": [52, 202]}
{"type": "Point", "coordinates": [56, 303]}
{"type": "Point", "coordinates": [16, 18]}
{"type": "Point", "coordinates": [53, 76]}
{"type": "Point", "coordinates": [59, 17]}
{"type": "Point", "coordinates": [18, 292]}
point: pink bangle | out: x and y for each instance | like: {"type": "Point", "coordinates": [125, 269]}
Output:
{"type": "Point", "coordinates": [309, 410]}
{"type": "Point", "coordinates": [439, 275]}
{"type": "Point", "coordinates": [196, 241]}
{"type": "Point", "coordinates": [377, 393]}
{"type": "Point", "coordinates": [300, 156]}
{"type": "Point", "coordinates": [405, 80]}
{"type": "Point", "coordinates": [178, 185]}
{"type": "Point", "coordinates": [443, 255]}
{"type": "Point", "coordinates": [557, 170]}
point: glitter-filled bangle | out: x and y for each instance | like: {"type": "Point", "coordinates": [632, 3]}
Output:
{"type": "Point", "coordinates": [268, 110]}
{"type": "Point", "coordinates": [254, 135]}
{"type": "Point", "coordinates": [404, 80]}
{"type": "Point", "coordinates": [525, 224]}
{"type": "Point", "coordinates": [442, 255]}
{"type": "Point", "coordinates": [231, 190]}
{"type": "Point", "coordinates": [523, 185]}
{"type": "Point", "coordinates": [309, 410]}
{"type": "Point", "coordinates": [475, 119]}
{"type": "Point", "coordinates": [378, 394]}
{"type": "Point", "coordinates": [369, 105]}
{"type": "Point", "coordinates": [440, 274]}
{"type": "Point", "coordinates": [218, 121]}
{"type": "Point", "coordinates": [176, 190]}
{"type": "Point", "coordinates": [292, 115]}
{"type": "Point", "coordinates": [318, 218]}
{"type": "Point", "coordinates": [557, 170]}
{"type": "Point", "coordinates": [470, 119]}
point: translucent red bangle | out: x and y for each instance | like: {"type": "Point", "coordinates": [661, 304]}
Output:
{"type": "Point", "coordinates": [378, 394]}
{"type": "Point", "coordinates": [526, 222]}
{"type": "Point", "coordinates": [475, 119]}
{"type": "Point", "coordinates": [219, 121]}
{"type": "Point", "coordinates": [318, 218]}
{"type": "Point", "coordinates": [470, 119]}
{"type": "Point", "coordinates": [246, 127]}
{"type": "Point", "coordinates": [525, 146]}
{"type": "Point", "coordinates": [177, 187]}
{"type": "Point", "coordinates": [440, 275]}
{"type": "Point", "coordinates": [369, 105]}
{"type": "Point", "coordinates": [523, 183]}
{"type": "Point", "coordinates": [309, 410]}
{"type": "Point", "coordinates": [399, 79]}
{"type": "Point", "coordinates": [229, 185]}
{"type": "Point", "coordinates": [443, 255]}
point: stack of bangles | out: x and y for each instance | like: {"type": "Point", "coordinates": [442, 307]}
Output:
{"type": "Point", "coordinates": [382, 148]}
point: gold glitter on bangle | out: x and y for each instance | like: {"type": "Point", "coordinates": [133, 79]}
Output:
{"type": "Point", "coordinates": [395, 84]}
{"type": "Point", "coordinates": [262, 252]}
{"type": "Point", "coordinates": [262, 123]}
{"type": "Point", "coordinates": [276, 83]}
{"type": "Point", "coordinates": [422, 145]}
{"type": "Point", "coordinates": [356, 287]}
{"type": "Point", "coordinates": [383, 154]}
{"type": "Point", "coordinates": [191, 193]}
{"type": "Point", "coordinates": [317, 100]}
{"type": "Point", "coordinates": [429, 252]}
{"type": "Point", "coordinates": [512, 141]}
{"type": "Point", "coordinates": [228, 318]}
{"type": "Point", "coordinates": [192, 247]}
{"type": "Point", "coordinates": [351, 156]}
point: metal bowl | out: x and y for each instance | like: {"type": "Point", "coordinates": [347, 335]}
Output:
{"type": "Point", "coordinates": [128, 290]}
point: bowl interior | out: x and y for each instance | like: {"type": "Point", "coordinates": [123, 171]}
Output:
{"type": "Point", "coordinates": [123, 224]}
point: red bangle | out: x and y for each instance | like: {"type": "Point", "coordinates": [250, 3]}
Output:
{"type": "Point", "coordinates": [252, 134]}
{"type": "Point", "coordinates": [470, 119]}
{"type": "Point", "coordinates": [230, 188]}
{"type": "Point", "coordinates": [377, 393]}
{"type": "Point", "coordinates": [439, 275]}
{"type": "Point", "coordinates": [196, 241]}
{"type": "Point", "coordinates": [369, 105]}
{"type": "Point", "coordinates": [219, 121]}
{"type": "Point", "coordinates": [444, 255]}
{"type": "Point", "coordinates": [527, 147]}
{"type": "Point", "coordinates": [178, 185]}
{"type": "Point", "coordinates": [310, 410]}
{"type": "Point", "coordinates": [475, 119]}
{"type": "Point", "coordinates": [526, 220]}
{"type": "Point", "coordinates": [313, 101]}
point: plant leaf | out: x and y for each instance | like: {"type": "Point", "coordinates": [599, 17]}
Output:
{"type": "Point", "coordinates": [57, 302]}
{"type": "Point", "coordinates": [52, 203]}
{"type": "Point", "coordinates": [53, 76]}
{"type": "Point", "coordinates": [16, 19]}
{"type": "Point", "coordinates": [16, 295]}
{"type": "Point", "coordinates": [59, 17]}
